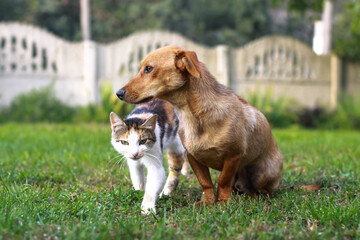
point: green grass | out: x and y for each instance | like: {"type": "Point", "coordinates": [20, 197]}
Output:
{"type": "Point", "coordinates": [62, 181]}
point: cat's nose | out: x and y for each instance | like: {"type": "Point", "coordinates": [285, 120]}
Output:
{"type": "Point", "coordinates": [121, 94]}
{"type": "Point", "coordinates": [135, 155]}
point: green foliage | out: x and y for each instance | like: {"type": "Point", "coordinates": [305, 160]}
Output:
{"type": "Point", "coordinates": [62, 181]}
{"type": "Point", "coordinates": [280, 112]}
{"type": "Point", "coordinates": [346, 32]}
{"type": "Point", "coordinates": [59, 17]}
{"type": "Point", "coordinates": [100, 112]}
{"type": "Point", "coordinates": [41, 105]}
{"type": "Point", "coordinates": [37, 105]}
{"type": "Point", "coordinates": [345, 116]}
{"type": "Point", "coordinates": [209, 22]}
{"type": "Point", "coordinates": [350, 106]}
{"type": "Point", "coordinates": [301, 5]}
{"type": "Point", "coordinates": [111, 103]}
{"type": "Point", "coordinates": [214, 22]}
{"type": "Point", "coordinates": [284, 112]}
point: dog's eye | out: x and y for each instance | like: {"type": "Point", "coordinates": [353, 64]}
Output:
{"type": "Point", "coordinates": [148, 69]}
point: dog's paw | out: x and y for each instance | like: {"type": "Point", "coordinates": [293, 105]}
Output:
{"type": "Point", "coordinates": [206, 199]}
{"type": "Point", "coordinates": [206, 202]}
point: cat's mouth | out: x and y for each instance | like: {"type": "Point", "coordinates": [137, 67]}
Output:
{"type": "Point", "coordinates": [145, 100]}
{"type": "Point", "coordinates": [135, 158]}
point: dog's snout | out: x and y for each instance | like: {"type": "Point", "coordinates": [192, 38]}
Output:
{"type": "Point", "coordinates": [121, 94]}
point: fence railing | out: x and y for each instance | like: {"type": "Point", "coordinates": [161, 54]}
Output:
{"type": "Point", "coordinates": [31, 57]}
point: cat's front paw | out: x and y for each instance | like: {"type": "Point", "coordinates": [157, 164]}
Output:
{"type": "Point", "coordinates": [171, 185]}
{"type": "Point", "coordinates": [148, 209]}
{"type": "Point", "coordinates": [166, 192]}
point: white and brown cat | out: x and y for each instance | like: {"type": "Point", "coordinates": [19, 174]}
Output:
{"type": "Point", "coordinates": [142, 137]}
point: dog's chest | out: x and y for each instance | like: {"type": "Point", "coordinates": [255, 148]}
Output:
{"type": "Point", "coordinates": [209, 157]}
{"type": "Point", "coordinates": [202, 148]}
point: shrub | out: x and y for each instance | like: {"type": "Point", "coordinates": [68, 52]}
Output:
{"type": "Point", "coordinates": [108, 103]}
{"type": "Point", "coordinates": [311, 118]}
{"type": "Point", "coordinates": [280, 112]}
{"type": "Point", "coordinates": [345, 116]}
{"type": "Point", "coordinates": [37, 106]}
{"type": "Point", "coordinates": [40, 105]}
{"type": "Point", "coordinates": [349, 106]}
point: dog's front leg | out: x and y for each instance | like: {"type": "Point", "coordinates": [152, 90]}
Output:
{"type": "Point", "coordinates": [226, 178]}
{"type": "Point", "coordinates": [203, 175]}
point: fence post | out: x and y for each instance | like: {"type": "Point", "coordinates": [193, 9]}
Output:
{"type": "Point", "coordinates": [223, 69]}
{"type": "Point", "coordinates": [335, 75]}
{"type": "Point", "coordinates": [89, 72]}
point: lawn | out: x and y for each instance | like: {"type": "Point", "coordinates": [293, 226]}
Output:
{"type": "Point", "coordinates": [63, 181]}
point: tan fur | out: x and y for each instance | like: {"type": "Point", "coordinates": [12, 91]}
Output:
{"type": "Point", "coordinates": [219, 129]}
{"type": "Point", "coordinates": [170, 115]}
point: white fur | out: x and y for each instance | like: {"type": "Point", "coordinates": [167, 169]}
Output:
{"type": "Point", "coordinates": [251, 116]}
{"type": "Point", "coordinates": [151, 158]}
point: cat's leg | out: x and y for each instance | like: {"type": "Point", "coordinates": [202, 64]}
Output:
{"type": "Point", "coordinates": [185, 167]}
{"type": "Point", "coordinates": [154, 183]}
{"type": "Point", "coordinates": [175, 161]}
{"type": "Point", "coordinates": [137, 174]}
{"type": "Point", "coordinates": [177, 164]}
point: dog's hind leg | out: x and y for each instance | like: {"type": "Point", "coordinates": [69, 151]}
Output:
{"type": "Point", "coordinates": [241, 183]}
{"type": "Point", "coordinates": [265, 176]}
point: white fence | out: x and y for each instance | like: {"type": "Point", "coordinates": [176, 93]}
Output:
{"type": "Point", "coordinates": [31, 57]}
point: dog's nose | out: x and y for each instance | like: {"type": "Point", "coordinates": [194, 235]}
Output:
{"type": "Point", "coordinates": [121, 94]}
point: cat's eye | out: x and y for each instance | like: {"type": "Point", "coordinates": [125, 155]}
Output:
{"type": "Point", "coordinates": [148, 69]}
{"type": "Point", "coordinates": [143, 141]}
{"type": "Point", "coordinates": [123, 142]}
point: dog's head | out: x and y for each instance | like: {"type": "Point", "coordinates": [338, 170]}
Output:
{"type": "Point", "coordinates": [161, 72]}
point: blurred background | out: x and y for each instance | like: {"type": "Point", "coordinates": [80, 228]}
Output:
{"type": "Point", "coordinates": [298, 61]}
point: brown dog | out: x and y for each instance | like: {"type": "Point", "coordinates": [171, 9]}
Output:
{"type": "Point", "coordinates": [219, 129]}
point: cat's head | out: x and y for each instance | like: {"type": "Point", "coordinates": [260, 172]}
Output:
{"type": "Point", "coordinates": [133, 137]}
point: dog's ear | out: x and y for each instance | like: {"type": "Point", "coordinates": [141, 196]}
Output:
{"type": "Point", "coordinates": [189, 61]}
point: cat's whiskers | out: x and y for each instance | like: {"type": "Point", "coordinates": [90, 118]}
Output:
{"type": "Point", "coordinates": [121, 164]}
{"type": "Point", "coordinates": [119, 160]}
{"type": "Point", "coordinates": [116, 156]}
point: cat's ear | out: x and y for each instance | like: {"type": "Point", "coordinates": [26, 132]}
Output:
{"type": "Point", "coordinates": [149, 123]}
{"type": "Point", "coordinates": [115, 121]}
